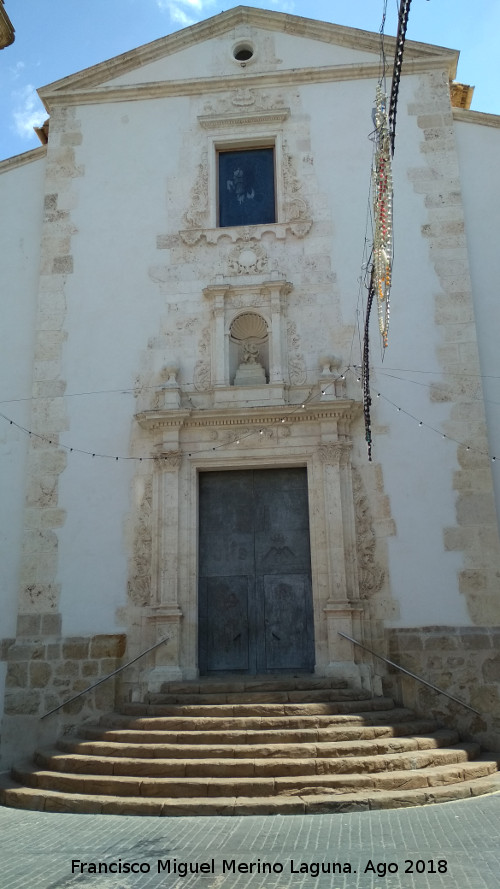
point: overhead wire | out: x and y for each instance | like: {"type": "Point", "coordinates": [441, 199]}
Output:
{"type": "Point", "coordinates": [260, 429]}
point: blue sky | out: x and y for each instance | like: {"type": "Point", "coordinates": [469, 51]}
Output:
{"type": "Point", "coordinates": [59, 37]}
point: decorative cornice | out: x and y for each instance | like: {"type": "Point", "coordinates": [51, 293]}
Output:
{"type": "Point", "coordinates": [6, 28]}
{"type": "Point", "coordinates": [204, 85]}
{"type": "Point", "coordinates": [20, 159]}
{"type": "Point", "coordinates": [342, 409]}
{"type": "Point", "coordinates": [477, 117]}
{"type": "Point", "coordinates": [228, 121]}
{"type": "Point", "coordinates": [213, 291]}
{"type": "Point", "coordinates": [298, 227]}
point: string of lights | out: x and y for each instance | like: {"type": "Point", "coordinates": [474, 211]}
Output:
{"type": "Point", "coordinates": [421, 424]}
{"type": "Point", "coordinates": [237, 438]}
{"type": "Point", "coordinates": [242, 436]}
{"type": "Point", "coordinates": [460, 374]}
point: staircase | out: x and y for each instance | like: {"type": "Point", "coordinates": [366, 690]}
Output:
{"type": "Point", "coordinates": [253, 747]}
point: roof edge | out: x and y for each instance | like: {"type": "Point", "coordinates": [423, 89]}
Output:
{"type": "Point", "coordinates": [241, 15]}
{"type": "Point", "coordinates": [18, 160]}
{"type": "Point", "coordinates": [478, 117]}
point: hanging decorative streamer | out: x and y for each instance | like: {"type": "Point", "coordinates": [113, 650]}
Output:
{"type": "Point", "coordinates": [365, 374]}
{"type": "Point", "coordinates": [382, 213]}
{"type": "Point", "coordinates": [404, 11]}
{"type": "Point", "coordinates": [381, 277]}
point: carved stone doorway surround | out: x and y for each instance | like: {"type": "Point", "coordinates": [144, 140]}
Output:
{"type": "Point", "coordinates": [188, 442]}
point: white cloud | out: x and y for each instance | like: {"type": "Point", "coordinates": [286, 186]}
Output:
{"type": "Point", "coordinates": [280, 5]}
{"type": "Point", "coordinates": [17, 70]}
{"type": "Point", "coordinates": [28, 112]}
{"type": "Point", "coordinates": [186, 12]}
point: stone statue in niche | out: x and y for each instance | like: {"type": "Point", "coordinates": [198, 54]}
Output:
{"type": "Point", "coordinates": [250, 353]}
{"type": "Point", "coordinates": [249, 332]}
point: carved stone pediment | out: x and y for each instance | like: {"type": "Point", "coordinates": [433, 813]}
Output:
{"type": "Point", "coordinates": [250, 118]}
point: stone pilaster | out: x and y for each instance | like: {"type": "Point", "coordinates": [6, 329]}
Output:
{"type": "Point", "coordinates": [343, 609]}
{"type": "Point", "coordinates": [33, 683]}
{"type": "Point", "coordinates": [438, 180]}
{"type": "Point", "coordinates": [166, 615]}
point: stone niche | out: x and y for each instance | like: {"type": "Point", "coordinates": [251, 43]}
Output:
{"type": "Point", "coordinates": [248, 334]}
{"type": "Point", "coordinates": [249, 350]}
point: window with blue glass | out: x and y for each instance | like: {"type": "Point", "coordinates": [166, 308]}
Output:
{"type": "Point", "coordinates": [246, 187]}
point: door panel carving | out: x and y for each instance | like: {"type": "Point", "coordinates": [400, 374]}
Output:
{"type": "Point", "coordinates": [255, 604]}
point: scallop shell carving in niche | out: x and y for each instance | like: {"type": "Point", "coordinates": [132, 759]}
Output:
{"type": "Point", "coordinates": [249, 326]}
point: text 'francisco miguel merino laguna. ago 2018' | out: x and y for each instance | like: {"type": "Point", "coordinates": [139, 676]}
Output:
{"type": "Point", "coordinates": [231, 866]}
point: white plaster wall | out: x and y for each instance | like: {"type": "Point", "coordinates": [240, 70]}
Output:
{"type": "Point", "coordinates": [21, 197]}
{"type": "Point", "coordinates": [136, 185]}
{"type": "Point", "coordinates": [129, 151]}
{"type": "Point", "coordinates": [417, 464]}
{"type": "Point", "coordinates": [273, 51]}
{"type": "Point", "coordinates": [478, 153]}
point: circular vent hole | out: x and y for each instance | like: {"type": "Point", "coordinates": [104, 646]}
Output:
{"type": "Point", "coordinates": [243, 53]}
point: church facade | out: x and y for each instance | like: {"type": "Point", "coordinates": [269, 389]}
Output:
{"type": "Point", "coordinates": [184, 266]}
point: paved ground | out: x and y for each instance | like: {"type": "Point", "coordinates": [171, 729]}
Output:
{"type": "Point", "coordinates": [434, 847]}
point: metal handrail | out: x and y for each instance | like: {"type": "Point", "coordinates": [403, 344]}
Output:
{"type": "Point", "coordinates": [105, 678]}
{"type": "Point", "coordinates": [409, 673]}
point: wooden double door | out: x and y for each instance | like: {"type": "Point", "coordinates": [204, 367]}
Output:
{"type": "Point", "coordinates": [255, 603]}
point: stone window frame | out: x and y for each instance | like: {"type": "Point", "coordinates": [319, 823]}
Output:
{"type": "Point", "coordinates": [293, 213]}
{"type": "Point", "coordinates": [221, 150]}
{"type": "Point", "coordinates": [218, 144]}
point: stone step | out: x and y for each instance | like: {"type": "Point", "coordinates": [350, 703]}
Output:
{"type": "Point", "coordinates": [283, 696]}
{"type": "Point", "coordinates": [250, 757]}
{"type": "Point", "coordinates": [200, 786]}
{"type": "Point", "coordinates": [117, 722]}
{"type": "Point", "coordinates": [11, 794]}
{"type": "Point", "coordinates": [277, 748]}
{"type": "Point", "coordinates": [266, 683]}
{"type": "Point", "coordinates": [315, 761]}
{"type": "Point", "coordinates": [258, 709]}
{"type": "Point", "coordinates": [240, 685]}
{"type": "Point", "coordinates": [151, 737]}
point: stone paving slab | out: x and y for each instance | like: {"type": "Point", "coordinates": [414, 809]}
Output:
{"type": "Point", "coordinates": [447, 846]}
